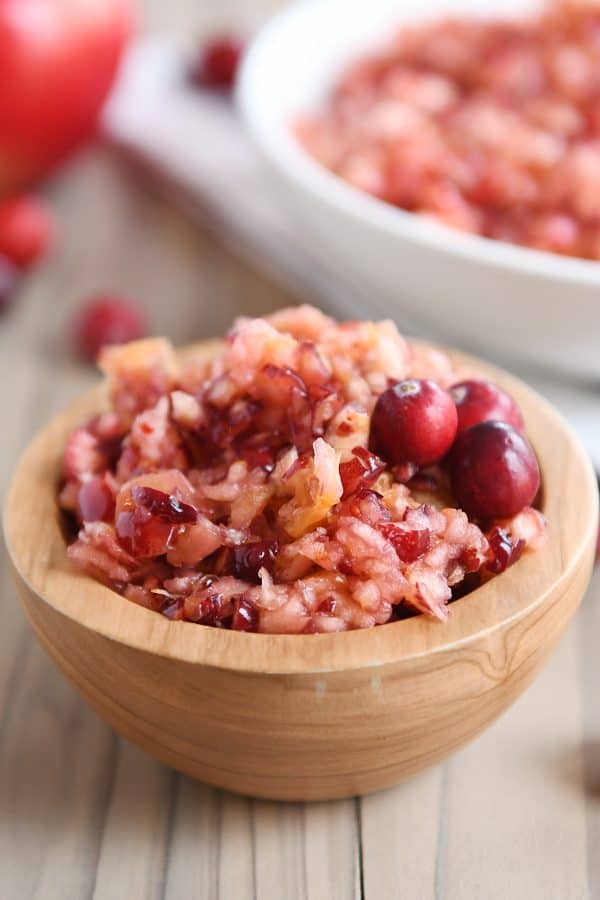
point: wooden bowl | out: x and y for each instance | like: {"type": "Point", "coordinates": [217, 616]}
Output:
{"type": "Point", "coordinates": [304, 717]}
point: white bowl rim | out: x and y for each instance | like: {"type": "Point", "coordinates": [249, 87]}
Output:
{"type": "Point", "coordinates": [288, 156]}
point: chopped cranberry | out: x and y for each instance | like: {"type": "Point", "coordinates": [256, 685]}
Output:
{"type": "Point", "coordinates": [217, 64]}
{"type": "Point", "coordinates": [108, 320]}
{"type": "Point", "coordinates": [409, 543]}
{"type": "Point", "coordinates": [96, 500]}
{"type": "Point", "coordinates": [215, 610]}
{"type": "Point", "coordinates": [413, 422]}
{"type": "Point", "coordinates": [249, 558]}
{"type": "Point", "coordinates": [145, 527]}
{"type": "Point", "coordinates": [257, 451]}
{"type": "Point", "coordinates": [226, 426]}
{"type": "Point", "coordinates": [494, 471]}
{"type": "Point", "coordinates": [481, 401]}
{"type": "Point", "coordinates": [165, 506]}
{"type": "Point", "coordinates": [278, 384]}
{"type": "Point", "coordinates": [9, 280]}
{"type": "Point", "coordinates": [141, 534]}
{"type": "Point", "coordinates": [328, 606]}
{"type": "Point", "coordinates": [367, 506]}
{"type": "Point", "coordinates": [470, 560]}
{"type": "Point", "coordinates": [173, 609]}
{"type": "Point", "coordinates": [222, 562]}
{"type": "Point", "coordinates": [245, 616]}
{"type": "Point", "coordinates": [504, 551]}
{"type": "Point", "coordinates": [26, 230]}
{"type": "Point", "coordinates": [360, 471]}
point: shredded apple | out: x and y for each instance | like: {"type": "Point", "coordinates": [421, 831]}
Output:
{"type": "Point", "coordinates": [246, 492]}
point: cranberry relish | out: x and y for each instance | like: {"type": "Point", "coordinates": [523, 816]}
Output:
{"type": "Point", "coordinates": [300, 481]}
{"type": "Point", "coordinates": [488, 126]}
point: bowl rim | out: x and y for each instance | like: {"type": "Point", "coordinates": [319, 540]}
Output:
{"type": "Point", "coordinates": [287, 156]}
{"type": "Point", "coordinates": [37, 549]}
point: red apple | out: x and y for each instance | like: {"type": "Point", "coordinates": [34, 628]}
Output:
{"type": "Point", "coordinates": [58, 59]}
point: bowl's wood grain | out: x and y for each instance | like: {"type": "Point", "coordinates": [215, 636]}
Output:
{"type": "Point", "coordinates": [313, 716]}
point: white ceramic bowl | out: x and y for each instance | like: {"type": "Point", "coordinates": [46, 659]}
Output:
{"type": "Point", "coordinates": [510, 302]}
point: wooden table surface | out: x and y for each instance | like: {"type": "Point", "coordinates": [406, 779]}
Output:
{"type": "Point", "coordinates": [85, 815]}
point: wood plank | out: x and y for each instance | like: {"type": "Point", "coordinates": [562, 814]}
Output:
{"type": "Point", "coordinates": [514, 823]}
{"type": "Point", "coordinates": [192, 860]}
{"type": "Point", "coordinates": [131, 860]}
{"type": "Point", "coordinates": [589, 630]}
{"type": "Point", "coordinates": [400, 833]}
{"type": "Point", "coordinates": [306, 852]}
{"type": "Point", "coordinates": [56, 760]}
{"type": "Point", "coordinates": [235, 876]}
{"type": "Point", "coordinates": [332, 851]}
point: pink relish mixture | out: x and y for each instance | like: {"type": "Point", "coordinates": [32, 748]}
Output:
{"type": "Point", "coordinates": [491, 127]}
{"type": "Point", "coordinates": [240, 492]}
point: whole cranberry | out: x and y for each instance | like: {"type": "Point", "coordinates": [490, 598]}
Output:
{"type": "Point", "coordinates": [26, 229]}
{"type": "Point", "coordinates": [482, 401]}
{"type": "Point", "coordinates": [217, 63]}
{"type": "Point", "coordinates": [9, 280]}
{"type": "Point", "coordinates": [494, 471]}
{"type": "Point", "coordinates": [413, 423]}
{"type": "Point", "coordinates": [108, 320]}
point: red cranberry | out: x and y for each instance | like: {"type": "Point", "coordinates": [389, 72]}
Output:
{"type": "Point", "coordinates": [141, 534]}
{"type": "Point", "coordinates": [145, 527]}
{"type": "Point", "coordinates": [217, 64]}
{"type": "Point", "coordinates": [9, 280]}
{"type": "Point", "coordinates": [361, 471]}
{"type": "Point", "coordinates": [413, 423]}
{"type": "Point", "coordinates": [482, 401]}
{"type": "Point", "coordinates": [504, 551]}
{"type": "Point", "coordinates": [366, 505]}
{"type": "Point", "coordinates": [26, 230]}
{"type": "Point", "coordinates": [173, 609]}
{"type": "Point", "coordinates": [328, 606]}
{"type": "Point", "coordinates": [249, 558]}
{"type": "Point", "coordinates": [215, 610]}
{"type": "Point", "coordinates": [108, 320]}
{"type": "Point", "coordinates": [494, 471]}
{"type": "Point", "coordinates": [245, 616]}
{"type": "Point", "coordinates": [409, 543]}
{"type": "Point", "coordinates": [164, 506]}
{"type": "Point", "coordinates": [96, 500]}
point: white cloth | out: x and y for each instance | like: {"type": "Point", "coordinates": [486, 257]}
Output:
{"type": "Point", "coordinates": [194, 141]}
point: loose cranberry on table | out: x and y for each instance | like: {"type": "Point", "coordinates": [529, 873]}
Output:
{"type": "Point", "coordinates": [26, 229]}
{"type": "Point", "coordinates": [413, 423]}
{"type": "Point", "coordinates": [217, 62]}
{"type": "Point", "coordinates": [108, 320]}
{"type": "Point", "coordinates": [9, 279]}
{"type": "Point", "coordinates": [482, 401]}
{"type": "Point", "coordinates": [494, 471]}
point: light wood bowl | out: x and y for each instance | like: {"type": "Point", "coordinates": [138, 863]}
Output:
{"type": "Point", "coordinates": [304, 717]}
